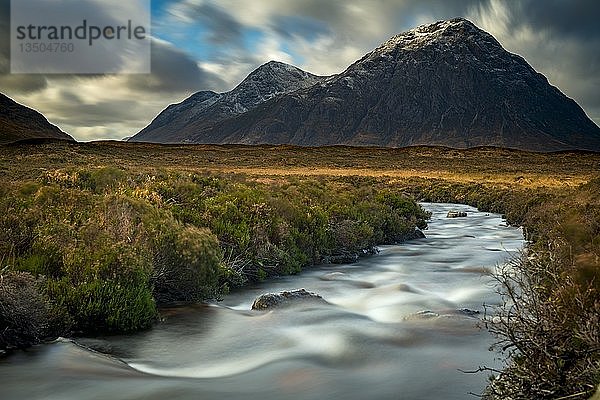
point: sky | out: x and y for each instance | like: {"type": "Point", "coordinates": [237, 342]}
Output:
{"type": "Point", "coordinates": [214, 44]}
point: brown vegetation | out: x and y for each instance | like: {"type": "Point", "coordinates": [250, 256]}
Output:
{"type": "Point", "coordinates": [547, 327]}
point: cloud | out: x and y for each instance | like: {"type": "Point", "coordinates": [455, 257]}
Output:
{"type": "Point", "coordinates": [321, 37]}
{"type": "Point", "coordinates": [172, 71]}
{"type": "Point", "coordinates": [221, 25]}
{"type": "Point", "coordinates": [22, 83]}
{"type": "Point", "coordinates": [577, 19]}
{"type": "Point", "coordinates": [112, 106]}
{"type": "Point", "coordinates": [291, 26]}
{"type": "Point", "coordinates": [560, 39]}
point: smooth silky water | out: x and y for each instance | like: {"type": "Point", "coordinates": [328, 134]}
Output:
{"type": "Point", "coordinates": [366, 342]}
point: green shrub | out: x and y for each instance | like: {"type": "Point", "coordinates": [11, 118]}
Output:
{"type": "Point", "coordinates": [105, 288]}
{"type": "Point", "coordinates": [100, 180]}
{"type": "Point", "coordinates": [187, 264]}
{"type": "Point", "coordinates": [102, 305]}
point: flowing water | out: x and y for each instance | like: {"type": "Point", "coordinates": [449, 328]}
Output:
{"type": "Point", "coordinates": [368, 341]}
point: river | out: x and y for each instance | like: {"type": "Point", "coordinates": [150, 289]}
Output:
{"type": "Point", "coordinates": [366, 342]}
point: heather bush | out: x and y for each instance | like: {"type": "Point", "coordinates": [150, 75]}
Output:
{"type": "Point", "coordinates": [108, 244]}
{"type": "Point", "coordinates": [547, 328]}
{"type": "Point", "coordinates": [186, 265]}
{"type": "Point", "coordinates": [23, 310]}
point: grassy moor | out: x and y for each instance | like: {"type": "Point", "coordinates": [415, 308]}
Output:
{"type": "Point", "coordinates": [95, 236]}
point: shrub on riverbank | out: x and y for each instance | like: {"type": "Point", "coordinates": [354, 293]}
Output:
{"type": "Point", "coordinates": [108, 244]}
{"type": "Point", "coordinates": [102, 257]}
{"type": "Point", "coordinates": [186, 265]}
{"type": "Point", "coordinates": [551, 334]}
{"type": "Point", "coordinates": [282, 226]}
{"type": "Point", "coordinates": [548, 329]}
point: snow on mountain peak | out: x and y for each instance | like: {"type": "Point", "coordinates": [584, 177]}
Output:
{"type": "Point", "coordinates": [267, 81]}
{"type": "Point", "coordinates": [439, 32]}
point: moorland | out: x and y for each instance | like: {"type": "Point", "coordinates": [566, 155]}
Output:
{"type": "Point", "coordinates": [95, 236]}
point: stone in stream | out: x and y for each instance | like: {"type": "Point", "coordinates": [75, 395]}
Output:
{"type": "Point", "coordinates": [268, 301]}
{"type": "Point", "coordinates": [416, 234]}
{"type": "Point", "coordinates": [428, 314]}
{"type": "Point", "coordinates": [456, 214]}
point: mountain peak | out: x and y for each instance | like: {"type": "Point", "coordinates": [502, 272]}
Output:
{"type": "Point", "coordinates": [269, 80]}
{"type": "Point", "coordinates": [278, 65]}
{"type": "Point", "coordinates": [276, 70]}
{"type": "Point", "coordinates": [441, 32]}
{"type": "Point", "coordinates": [445, 83]}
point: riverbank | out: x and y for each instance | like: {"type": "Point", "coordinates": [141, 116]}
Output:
{"type": "Point", "coordinates": [95, 249]}
{"type": "Point", "coordinates": [549, 332]}
{"type": "Point", "coordinates": [402, 321]}
{"type": "Point", "coordinates": [554, 196]}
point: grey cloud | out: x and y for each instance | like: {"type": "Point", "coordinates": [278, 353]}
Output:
{"type": "Point", "coordinates": [113, 118]}
{"type": "Point", "coordinates": [28, 83]}
{"type": "Point", "coordinates": [222, 26]}
{"type": "Point", "coordinates": [107, 56]}
{"type": "Point", "coordinates": [574, 23]}
{"type": "Point", "coordinates": [173, 71]}
{"type": "Point", "coordinates": [73, 112]}
{"type": "Point", "coordinates": [289, 26]}
{"type": "Point", "coordinates": [578, 18]}
{"type": "Point", "coordinates": [22, 83]}
{"type": "Point", "coordinates": [13, 83]}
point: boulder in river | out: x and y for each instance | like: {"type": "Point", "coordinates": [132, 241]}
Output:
{"type": "Point", "coordinates": [416, 234]}
{"type": "Point", "coordinates": [456, 214]}
{"type": "Point", "coordinates": [428, 314]}
{"type": "Point", "coordinates": [268, 301]}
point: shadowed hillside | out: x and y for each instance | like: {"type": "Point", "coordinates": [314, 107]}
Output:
{"type": "Point", "coordinates": [18, 122]}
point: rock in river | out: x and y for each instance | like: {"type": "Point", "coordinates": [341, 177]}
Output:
{"type": "Point", "coordinates": [271, 300]}
{"type": "Point", "coordinates": [415, 234]}
{"type": "Point", "coordinates": [428, 314]}
{"type": "Point", "coordinates": [456, 214]}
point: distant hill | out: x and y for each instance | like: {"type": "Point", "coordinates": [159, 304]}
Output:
{"type": "Point", "coordinates": [448, 83]}
{"type": "Point", "coordinates": [207, 109]}
{"type": "Point", "coordinates": [18, 122]}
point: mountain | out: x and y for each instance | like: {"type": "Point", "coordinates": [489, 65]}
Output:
{"type": "Point", "coordinates": [206, 109]}
{"type": "Point", "coordinates": [447, 83]}
{"type": "Point", "coordinates": [18, 122]}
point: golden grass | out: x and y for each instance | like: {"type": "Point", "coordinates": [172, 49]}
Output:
{"type": "Point", "coordinates": [501, 167]}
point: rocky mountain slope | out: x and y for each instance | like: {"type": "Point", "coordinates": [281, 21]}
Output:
{"type": "Point", "coordinates": [447, 83]}
{"type": "Point", "coordinates": [18, 122]}
{"type": "Point", "coordinates": [204, 110]}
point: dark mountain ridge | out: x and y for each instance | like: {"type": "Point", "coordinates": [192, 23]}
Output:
{"type": "Point", "coordinates": [448, 83]}
{"type": "Point", "coordinates": [205, 109]}
{"type": "Point", "coordinates": [19, 123]}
